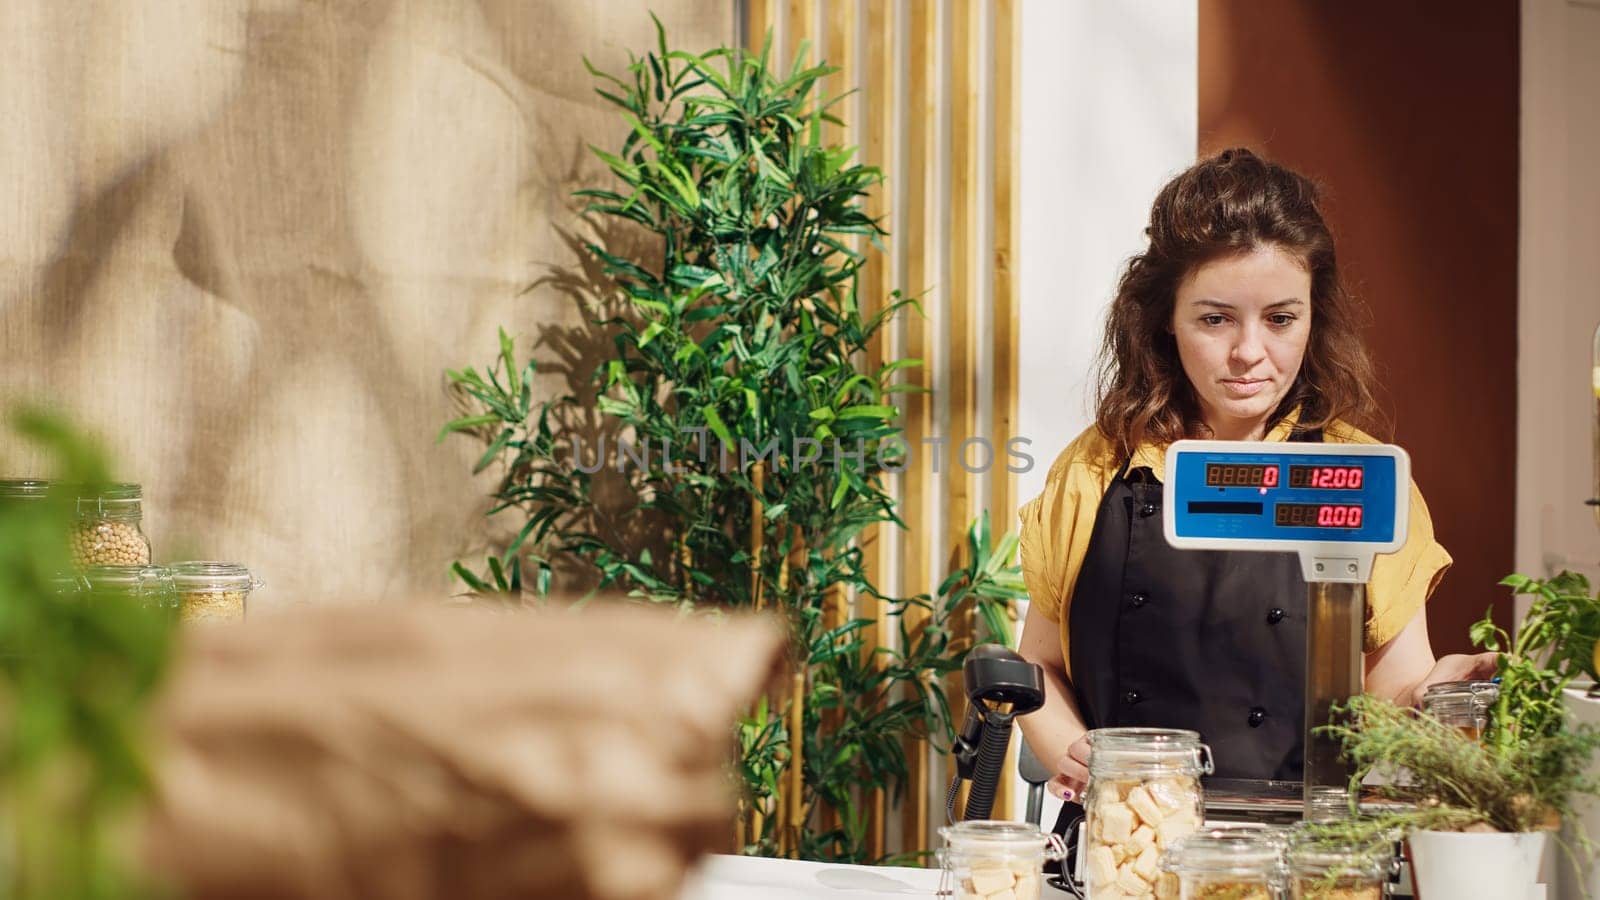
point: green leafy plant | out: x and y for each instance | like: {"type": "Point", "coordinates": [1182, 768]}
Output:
{"type": "Point", "coordinates": [76, 680]}
{"type": "Point", "coordinates": [1528, 768]}
{"type": "Point", "coordinates": [742, 368]}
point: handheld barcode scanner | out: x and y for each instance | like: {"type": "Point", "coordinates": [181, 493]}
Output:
{"type": "Point", "coordinates": [1001, 685]}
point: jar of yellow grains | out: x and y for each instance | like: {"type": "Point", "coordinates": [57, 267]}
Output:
{"type": "Point", "coordinates": [212, 591]}
{"type": "Point", "coordinates": [1319, 870]}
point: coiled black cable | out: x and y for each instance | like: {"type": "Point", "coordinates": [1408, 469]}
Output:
{"type": "Point", "coordinates": [990, 765]}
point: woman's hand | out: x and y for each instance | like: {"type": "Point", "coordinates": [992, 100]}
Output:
{"type": "Point", "coordinates": [1456, 667]}
{"type": "Point", "coordinates": [1072, 771]}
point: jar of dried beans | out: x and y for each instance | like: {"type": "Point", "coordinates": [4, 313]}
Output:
{"type": "Point", "coordinates": [106, 531]}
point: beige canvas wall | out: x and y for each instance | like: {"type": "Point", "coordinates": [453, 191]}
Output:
{"type": "Point", "coordinates": [243, 239]}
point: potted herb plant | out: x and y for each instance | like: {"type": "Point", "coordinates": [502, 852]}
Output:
{"type": "Point", "coordinates": [1478, 811]}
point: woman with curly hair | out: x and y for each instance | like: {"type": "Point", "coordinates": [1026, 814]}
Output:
{"type": "Point", "coordinates": [1231, 325]}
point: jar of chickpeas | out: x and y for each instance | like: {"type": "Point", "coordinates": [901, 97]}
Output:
{"type": "Point", "coordinates": [212, 591]}
{"type": "Point", "coordinates": [106, 531]}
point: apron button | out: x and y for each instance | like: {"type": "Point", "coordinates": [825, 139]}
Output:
{"type": "Point", "coordinates": [1147, 510]}
{"type": "Point", "coordinates": [1256, 717]}
{"type": "Point", "coordinates": [1139, 600]}
{"type": "Point", "coordinates": [1132, 697]}
{"type": "Point", "coordinates": [1274, 615]}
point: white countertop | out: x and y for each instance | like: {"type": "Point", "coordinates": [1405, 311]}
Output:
{"type": "Point", "coordinates": [745, 878]}
{"type": "Point", "coordinates": [751, 878]}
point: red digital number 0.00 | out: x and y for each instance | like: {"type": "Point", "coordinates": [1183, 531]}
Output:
{"type": "Point", "coordinates": [1339, 516]}
{"type": "Point", "coordinates": [1269, 478]}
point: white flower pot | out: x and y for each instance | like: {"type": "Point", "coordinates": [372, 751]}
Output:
{"type": "Point", "coordinates": [1449, 865]}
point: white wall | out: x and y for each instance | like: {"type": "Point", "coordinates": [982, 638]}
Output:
{"type": "Point", "coordinates": [1109, 113]}
{"type": "Point", "coordinates": [1558, 307]}
{"type": "Point", "coordinates": [1558, 303]}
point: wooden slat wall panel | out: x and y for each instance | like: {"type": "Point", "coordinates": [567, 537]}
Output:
{"type": "Point", "coordinates": [1002, 101]}
{"type": "Point", "coordinates": [936, 111]}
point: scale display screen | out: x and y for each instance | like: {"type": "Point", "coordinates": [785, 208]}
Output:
{"type": "Point", "coordinates": [1317, 498]}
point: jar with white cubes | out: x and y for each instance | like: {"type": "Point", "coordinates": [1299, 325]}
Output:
{"type": "Point", "coordinates": [1242, 861]}
{"type": "Point", "coordinates": [1143, 795]}
{"type": "Point", "coordinates": [991, 860]}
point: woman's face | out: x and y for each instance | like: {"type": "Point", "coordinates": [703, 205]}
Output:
{"type": "Point", "coordinates": [1241, 324]}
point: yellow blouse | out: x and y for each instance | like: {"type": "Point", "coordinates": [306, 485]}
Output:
{"type": "Point", "coordinates": [1056, 526]}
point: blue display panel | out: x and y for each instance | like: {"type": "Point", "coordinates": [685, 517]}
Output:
{"type": "Point", "coordinates": [1246, 496]}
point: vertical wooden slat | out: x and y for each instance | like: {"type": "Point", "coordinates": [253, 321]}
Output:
{"type": "Point", "coordinates": [872, 118]}
{"type": "Point", "coordinates": [1005, 43]}
{"type": "Point", "coordinates": [904, 187]}
{"type": "Point", "coordinates": [947, 222]}
{"type": "Point", "coordinates": [799, 30]}
{"type": "Point", "coordinates": [919, 100]}
{"type": "Point", "coordinates": [956, 288]}
{"type": "Point", "coordinates": [758, 20]}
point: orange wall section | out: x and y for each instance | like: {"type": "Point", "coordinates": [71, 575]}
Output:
{"type": "Point", "coordinates": [1407, 114]}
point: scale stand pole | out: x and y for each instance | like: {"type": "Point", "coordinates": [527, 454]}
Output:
{"type": "Point", "coordinates": [1335, 616]}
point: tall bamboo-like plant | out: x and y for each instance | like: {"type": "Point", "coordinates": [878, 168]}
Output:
{"type": "Point", "coordinates": [742, 372]}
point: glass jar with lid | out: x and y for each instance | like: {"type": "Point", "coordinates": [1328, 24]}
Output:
{"type": "Point", "coordinates": [1143, 796]}
{"type": "Point", "coordinates": [148, 586]}
{"type": "Point", "coordinates": [1464, 705]}
{"type": "Point", "coordinates": [106, 531]}
{"type": "Point", "coordinates": [991, 860]}
{"type": "Point", "coordinates": [1228, 862]}
{"type": "Point", "coordinates": [21, 489]}
{"type": "Point", "coordinates": [212, 591]}
{"type": "Point", "coordinates": [1324, 870]}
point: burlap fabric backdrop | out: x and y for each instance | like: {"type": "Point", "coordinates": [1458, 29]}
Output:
{"type": "Point", "coordinates": [243, 238]}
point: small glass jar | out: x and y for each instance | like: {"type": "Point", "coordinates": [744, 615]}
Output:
{"type": "Point", "coordinates": [1143, 795]}
{"type": "Point", "coordinates": [1324, 871]}
{"type": "Point", "coordinates": [1464, 705]}
{"type": "Point", "coordinates": [149, 586]}
{"type": "Point", "coordinates": [1228, 862]}
{"type": "Point", "coordinates": [990, 860]}
{"type": "Point", "coordinates": [212, 591]}
{"type": "Point", "coordinates": [20, 489]}
{"type": "Point", "coordinates": [107, 531]}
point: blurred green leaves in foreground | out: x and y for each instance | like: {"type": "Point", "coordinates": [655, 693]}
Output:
{"type": "Point", "coordinates": [76, 681]}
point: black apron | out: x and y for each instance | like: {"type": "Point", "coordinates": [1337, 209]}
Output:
{"type": "Point", "coordinates": [1208, 640]}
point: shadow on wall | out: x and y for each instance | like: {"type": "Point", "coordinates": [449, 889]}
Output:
{"type": "Point", "coordinates": [258, 232]}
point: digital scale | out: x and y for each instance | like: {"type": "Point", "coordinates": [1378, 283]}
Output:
{"type": "Point", "coordinates": [1336, 506]}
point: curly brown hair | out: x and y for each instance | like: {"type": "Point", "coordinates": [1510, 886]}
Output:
{"type": "Point", "coordinates": [1232, 203]}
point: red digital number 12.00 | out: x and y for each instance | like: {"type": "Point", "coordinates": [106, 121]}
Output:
{"type": "Point", "coordinates": [1336, 477]}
